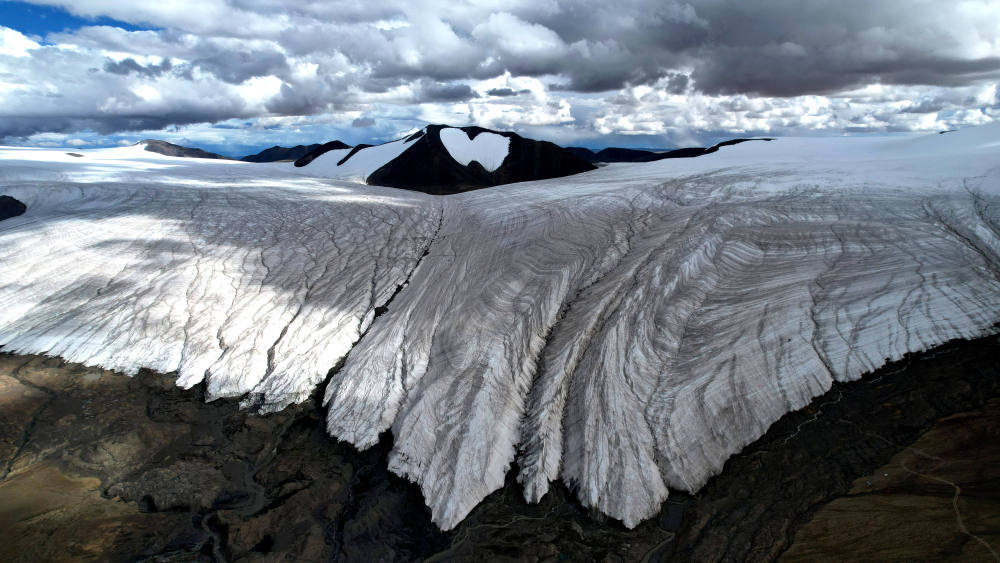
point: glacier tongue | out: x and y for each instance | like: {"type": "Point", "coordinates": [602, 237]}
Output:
{"type": "Point", "coordinates": [624, 330]}
{"type": "Point", "coordinates": [254, 284]}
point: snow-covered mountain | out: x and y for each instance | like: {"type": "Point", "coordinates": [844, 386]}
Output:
{"type": "Point", "coordinates": [446, 160]}
{"type": "Point", "coordinates": [624, 330]}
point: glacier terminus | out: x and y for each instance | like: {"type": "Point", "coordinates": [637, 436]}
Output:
{"type": "Point", "coordinates": [625, 330]}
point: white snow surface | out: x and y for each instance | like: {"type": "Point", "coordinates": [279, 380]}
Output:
{"type": "Point", "coordinates": [360, 166]}
{"type": "Point", "coordinates": [625, 330]}
{"type": "Point", "coordinates": [488, 149]}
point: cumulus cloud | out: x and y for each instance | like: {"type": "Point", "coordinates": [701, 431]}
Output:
{"type": "Point", "coordinates": [15, 44]}
{"type": "Point", "coordinates": [676, 69]}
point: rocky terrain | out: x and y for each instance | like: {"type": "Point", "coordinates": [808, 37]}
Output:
{"type": "Point", "coordinates": [899, 465]}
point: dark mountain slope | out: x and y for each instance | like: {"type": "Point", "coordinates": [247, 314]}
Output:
{"type": "Point", "coordinates": [276, 153]}
{"type": "Point", "coordinates": [10, 207]}
{"type": "Point", "coordinates": [170, 149]}
{"type": "Point", "coordinates": [582, 152]}
{"type": "Point", "coordinates": [319, 151]}
{"type": "Point", "coordinates": [427, 166]}
{"type": "Point", "coordinates": [615, 154]}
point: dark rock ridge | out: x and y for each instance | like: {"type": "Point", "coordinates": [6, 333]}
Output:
{"type": "Point", "coordinates": [10, 207]}
{"type": "Point", "coordinates": [353, 152]}
{"type": "Point", "coordinates": [615, 154]}
{"type": "Point", "coordinates": [170, 149]}
{"type": "Point", "coordinates": [427, 166]}
{"type": "Point", "coordinates": [319, 151]}
{"type": "Point", "coordinates": [582, 153]}
{"type": "Point", "coordinates": [277, 154]}
{"type": "Point", "coordinates": [97, 465]}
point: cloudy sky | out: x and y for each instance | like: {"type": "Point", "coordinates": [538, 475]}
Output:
{"type": "Point", "coordinates": [240, 75]}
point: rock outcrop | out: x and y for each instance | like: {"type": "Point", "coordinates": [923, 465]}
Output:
{"type": "Point", "coordinates": [10, 207]}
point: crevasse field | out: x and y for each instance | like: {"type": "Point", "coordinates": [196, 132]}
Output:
{"type": "Point", "coordinates": [624, 330]}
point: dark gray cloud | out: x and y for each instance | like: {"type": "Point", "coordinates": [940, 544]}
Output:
{"type": "Point", "coordinates": [363, 122]}
{"type": "Point", "coordinates": [237, 66]}
{"type": "Point", "coordinates": [505, 92]}
{"type": "Point", "coordinates": [21, 127]}
{"type": "Point", "coordinates": [444, 92]}
{"type": "Point", "coordinates": [130, 66]}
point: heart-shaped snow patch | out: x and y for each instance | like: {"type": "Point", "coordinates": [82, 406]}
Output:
{"type": "Point", "coordinates": [488, 149]}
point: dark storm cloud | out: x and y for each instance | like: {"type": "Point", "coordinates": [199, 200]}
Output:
{"type": "Point", "coordinates": [444, 92]}
{"type": "Point", "coordinates": [13, 128]}
{"type": "Point", "coordinates": [235, 67]}
{"type": "Point", "coordinates": [363, 122]}
{"type": "Point", "coordinates": [130, 66]}
{"type": "Point", "coordinates": [769, 49]}
{"type": "Point", "coordinates": [504, 92]}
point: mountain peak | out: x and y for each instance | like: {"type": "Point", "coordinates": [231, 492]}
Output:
{"type": "Point", "coordinates": [441, 159]}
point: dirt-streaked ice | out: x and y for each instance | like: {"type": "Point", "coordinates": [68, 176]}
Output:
{"type": "Point", "coordinates": [624, 330]}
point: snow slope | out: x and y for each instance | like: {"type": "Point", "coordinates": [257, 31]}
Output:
{"type": "Point", "coordinates": [488, 149]}
{"type": "Point", "coordinates": [624, 330]}
{"type": "Point", "coordinates": [360, 165]}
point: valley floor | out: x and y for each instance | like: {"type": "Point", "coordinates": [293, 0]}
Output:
{"type": "Point", "coordinates": [903, 464]}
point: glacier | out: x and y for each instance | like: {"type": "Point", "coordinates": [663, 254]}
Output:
{"type": "Point", "coordinates": [624, 330]}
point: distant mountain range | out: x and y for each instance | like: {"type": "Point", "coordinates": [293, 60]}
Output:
{"type": "Point", "coordinates": [440, 159]}
{"type": "Point", "coordinates": [615, 154]}
{"type": "Point", "coordinates": [278, 154]}
{"type": "Point", "coordinates": [170, 149]}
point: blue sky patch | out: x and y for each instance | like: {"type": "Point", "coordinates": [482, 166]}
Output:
{"type": "Point", "coordinates": [30, 19]}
